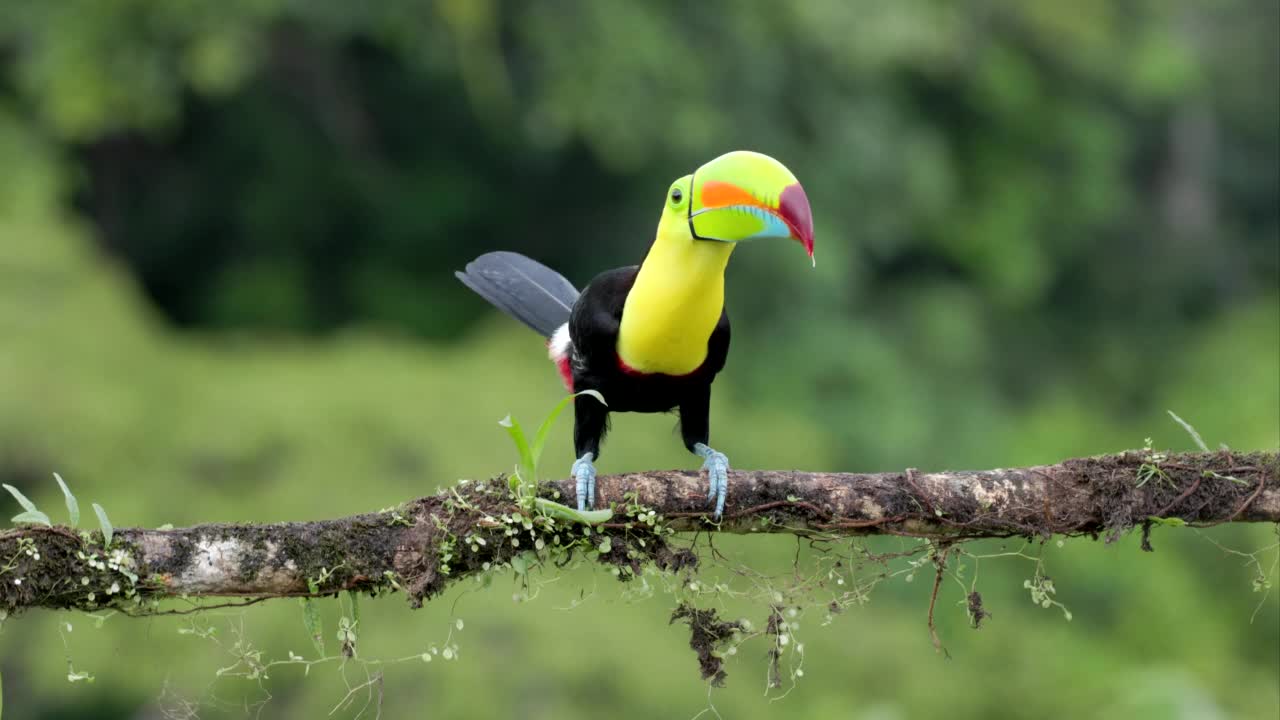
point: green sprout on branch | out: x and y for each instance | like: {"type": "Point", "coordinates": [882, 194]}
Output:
{"type": "Point", "coordinates": [32, 515]}
{"type": "Point", "coordinates": [524, 479]}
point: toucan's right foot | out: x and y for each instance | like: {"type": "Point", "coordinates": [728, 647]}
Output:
{"type": "Point", "coordinates": [717, 466]}
{"type": "Point", "coordinates": [585, 473]}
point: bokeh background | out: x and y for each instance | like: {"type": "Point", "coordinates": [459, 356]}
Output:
{"type": "Point", "coordinates": [227, 236]}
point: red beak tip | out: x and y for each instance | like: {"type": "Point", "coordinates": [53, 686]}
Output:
{"type": "Point", "coordinates": [794, 208]}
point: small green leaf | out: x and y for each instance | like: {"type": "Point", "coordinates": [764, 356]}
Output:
{"type": "Point", "coordinates": [564, 512]}
{"type": "Point", "coordinates": [22, 499]}
{"type": "Point", "coordinates": [311, 621]}
{"type": "Point", "coordinates": [73, 507]}
{"type": "Point", "coordinates": [107, 531]}
{"type": "Point", "coordinates": [1171, 522]}
{"type": "Point", "coordinates": [593, 394]}
{"type": "Point", "coordinates": [519, 564]}
{"type": "Point", "coordinates": [34, 517]}
{"type": "Point", "coordinates": [522, 446]}
{"type": "Point", "coordinates": [1195, 436]}
{"type": "Point", "coordinates": [593, 517]}
{"type": "Point", "coordinates": [544, 430]}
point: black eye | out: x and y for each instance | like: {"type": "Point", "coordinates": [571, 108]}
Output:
{"type": "Point", "coordinates": [676, 195]}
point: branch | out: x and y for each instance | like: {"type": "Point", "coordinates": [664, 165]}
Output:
{"type": "Point", "coordinates": [426, 544]}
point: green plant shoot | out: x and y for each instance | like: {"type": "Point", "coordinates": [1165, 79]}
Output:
{"type": "Point", "coordinates": [31, 514]}
{"type": "Point", "coordinates": [73, 507]}
{"type": "Point", "coordinates": [524, 480]}
{"type": "Point", "coordinates": [107, 530]}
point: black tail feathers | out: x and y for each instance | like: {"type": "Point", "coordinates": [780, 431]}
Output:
{"type": "Point", "coordinates": [525, 289]}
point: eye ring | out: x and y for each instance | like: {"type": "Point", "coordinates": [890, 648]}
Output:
{"type": "Point", "coordinates": [676, 196]}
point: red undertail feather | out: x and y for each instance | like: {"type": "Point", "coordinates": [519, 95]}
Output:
{"type": "Point", "coordinates": [560, 349]}
{"type": "Point", "coordinates": [566, 373]}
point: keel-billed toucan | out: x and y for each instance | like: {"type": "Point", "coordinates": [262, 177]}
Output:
{"type": "Point", "coordinates": [652, 338]}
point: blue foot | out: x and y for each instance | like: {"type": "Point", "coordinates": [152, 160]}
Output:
{"type": "Point", "coordinates": [717, 466]}
{"type": "Point", "coordinates": [585, 473]}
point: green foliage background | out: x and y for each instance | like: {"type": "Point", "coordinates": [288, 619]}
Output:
{"type": "Point", "coordinates": [227, 232]}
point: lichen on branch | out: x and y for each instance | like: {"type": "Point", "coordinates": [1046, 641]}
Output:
{"type": "Point", "coordinates": [426, 544]}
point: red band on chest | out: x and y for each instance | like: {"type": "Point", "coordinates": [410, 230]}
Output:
{"type": "Point", "coordinates": [627, 369]}
{"type": "Point", "coordinates": [624, 367]}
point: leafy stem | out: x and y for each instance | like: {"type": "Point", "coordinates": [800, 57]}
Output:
{"type": "Point", "coordinates": [524, 478]}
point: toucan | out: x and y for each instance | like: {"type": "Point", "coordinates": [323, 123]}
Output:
{"type": "Point", "coordinates": [651, 338]}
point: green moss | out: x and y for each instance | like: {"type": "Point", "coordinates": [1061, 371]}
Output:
{"type": "Point", "coordinates": [252, 562]}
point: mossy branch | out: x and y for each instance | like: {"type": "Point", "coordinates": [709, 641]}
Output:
{"type": "Point", "coordinates": [426, 544]}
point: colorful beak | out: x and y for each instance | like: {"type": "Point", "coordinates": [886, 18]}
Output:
{"type": "Point", "coordinates": [744, 195]}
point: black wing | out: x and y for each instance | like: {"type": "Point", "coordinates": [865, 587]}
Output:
{"type": "Point", "coordinates": [593, 325]}
{"type": "Point", "coordinates": [717, 346]}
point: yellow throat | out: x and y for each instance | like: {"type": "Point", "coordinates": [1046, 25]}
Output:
{"type": "Point", "coordinates": [675, 303]}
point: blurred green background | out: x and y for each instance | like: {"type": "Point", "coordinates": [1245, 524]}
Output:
{"type": "Point", "coordinates": [227, 236]}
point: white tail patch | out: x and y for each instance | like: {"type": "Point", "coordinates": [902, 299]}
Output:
{"type": "Point", "coordinates": [558, 345]}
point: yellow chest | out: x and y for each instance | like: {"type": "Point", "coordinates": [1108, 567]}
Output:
{"type": "Point", "coordinates": [672, 310]}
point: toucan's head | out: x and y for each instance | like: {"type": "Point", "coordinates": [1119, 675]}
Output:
{"type": "Point", "coordinates": [739, 196]}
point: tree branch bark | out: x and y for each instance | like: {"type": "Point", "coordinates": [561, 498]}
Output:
{"type": "Point", "coordinates": [426, 544]}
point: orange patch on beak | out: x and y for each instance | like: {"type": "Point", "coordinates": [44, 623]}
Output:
{"type": "Point", "coordinates": [717, 194]}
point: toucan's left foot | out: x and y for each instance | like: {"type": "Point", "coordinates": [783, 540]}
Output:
{"type": "Point", "coordinates": [717, 466]}
{"type": "Point", "coordinates": [584, 473]}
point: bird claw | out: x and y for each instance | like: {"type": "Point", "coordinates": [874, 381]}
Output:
{"type": "Point", "coordinates": [717, 466]}
{"type": "Point", "coordinates": [585, 474]}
